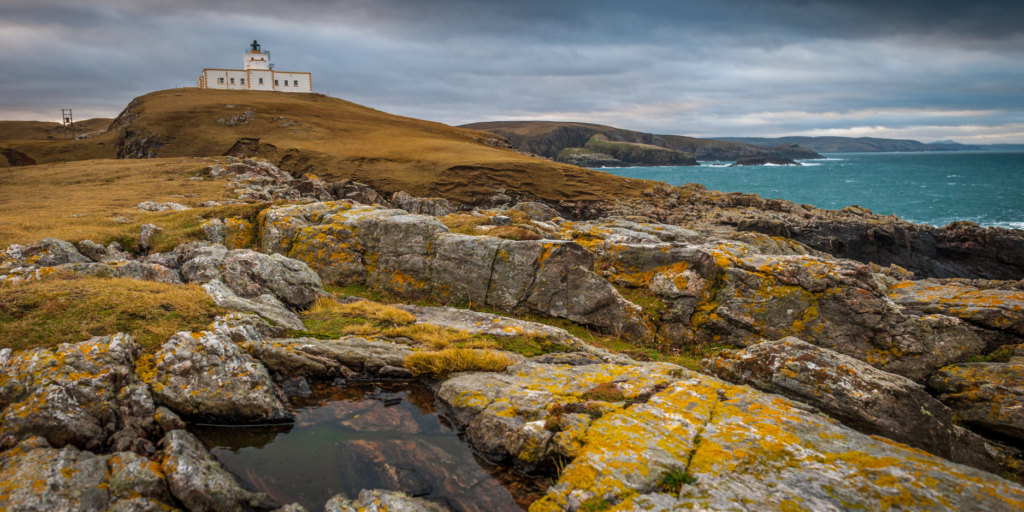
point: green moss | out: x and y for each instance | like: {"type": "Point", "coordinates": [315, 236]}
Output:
{"type": "Point", "coordinates": [999, 355]}
{"type": "Point", "coordinates": [673, 481]}
{"type": "Point", "coordinates": [595, 504]}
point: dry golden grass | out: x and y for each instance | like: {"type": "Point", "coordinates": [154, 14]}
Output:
{"type": "Point", "coordinates": [81, 200]}
{"type": "Point", "coordinates": [442, 363]}
{"type": "Point", "coordinates": [364, 309]}
{"type": "Point", "coordinates": [68, 308]}
{"type": "Point", "coordinates": [42, 130]}
{"type": "Point", "coordinates": [339, 139]}
{"type": "Point", "coordinates": [472, 225]}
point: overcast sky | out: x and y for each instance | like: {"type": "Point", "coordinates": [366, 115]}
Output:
{"type": "Point", "coordinates": [925, 70]}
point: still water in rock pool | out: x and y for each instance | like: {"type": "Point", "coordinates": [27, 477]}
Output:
{"type": "Point", "coordinates": [367, 436]}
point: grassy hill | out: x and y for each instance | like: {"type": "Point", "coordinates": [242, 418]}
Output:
{"type": "Point", "coordinates": [849, 144]}
{"type": "Point", "coordinates": [550, 139]}
{"type": "Point", "coordinates": [333, 138]}
{"type": "Point", "coordinates": [42, 130]}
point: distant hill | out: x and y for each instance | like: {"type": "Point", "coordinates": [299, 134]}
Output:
{"type": "Point", "coordinates": [597, 145]}
{"type": "Point", "coordinates": [330, 137]}
{"type": "Point", "coordinates": [42, 130]}
{"type": "Point", "coordinates": [855, 145]}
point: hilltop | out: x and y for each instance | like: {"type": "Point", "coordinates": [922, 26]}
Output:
{"type": "Point", "coordinates": [600, 145]}
{"type": "Point", "coordinates": [333, 138]}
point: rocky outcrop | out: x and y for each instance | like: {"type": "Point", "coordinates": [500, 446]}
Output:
{"type": "Point", "coordinates": [381, 501]}
{"type": "Point", "coordinates": [19, 263]}
{"type": "Point", "coordinates": [250, 274]}
{"type": "Point", "coordinates": [151, 206]}
{"type": "Point", "coordinates": [860, 396]}
{"type": "Point", "coordinates": [330, 359]}
{"type": "Point", "coordinates": [416, 256]}
{"type": "Point", "coordinates": [987, 395]}
{"type": "Point", "coordinates": [765, 160]}
{"type": "Point", "coordinates": [657, 437]}
{"type": "Point", "coordinates": [992, 308]}
{"type": "Point", "coordinates": [34, 476]}
{"type": "Point", "coordinates": [537, 211]}
{"type": "Point", "coordinates": [207, 377]}
{"type": "Point", "coordinates": [200, 482]}
{"type": "Point", "coordinates": [737, 289]}
{"type": "Point", "coordinates": [82, 394]}
{"type": "Point", "coordinates": [424, 206]}
{"type": "Point", "coordinates": [959, 250]}
{"type": "Point", "coordinates": [266, 305]}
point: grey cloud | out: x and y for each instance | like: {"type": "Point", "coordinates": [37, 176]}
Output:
{"type": "Point", "coordinates": [728, 68]}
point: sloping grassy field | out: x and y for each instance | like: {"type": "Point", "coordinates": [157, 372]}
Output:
{"type": "Point", "coordinates": [337, 139]}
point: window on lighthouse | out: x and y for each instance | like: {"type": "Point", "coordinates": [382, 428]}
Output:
{"type": "Point", "coordinates": [232, 81]}
{"type": "Point", "coordinates": [242, 81]}
{"type": "Point", "coordinates": [220, 81]}
{"type": "Point", "coordinates": [276, 82]}
{"type": "Point", "coordinates": [261, 81]}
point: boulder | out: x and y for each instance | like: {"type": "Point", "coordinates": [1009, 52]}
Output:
{"type": "Point", "coordinates": [48, 252]}
{"type": "Point", "coordinates": [34, 476]}
{"type": "Point", "coordinates": [381, 501]}
{"type": "Point", "coordinates": [100, 254]}
{"type": "Point", "coordinates": [998, 309]}
{"type": "Point", "coordinates": [79, 394]}
{"type": "Point", "coordinates": [266, 305]}
{"type": "Point", "coordinates": [138, 270]}
{"type": "Point", "coordinates": [207, 377]}
{"type": "Point", "coordinates": [200, 482]}
{"type": "Point", "coordinates": [146, 234]}
{"type": "Point", "coordinates": [250, 274]}
{"type": "Point", "coordinates": [664, 438]}
{"type": "Point", "coordinates": [860, 396]}
{"type": "Point", "coordinates": [434, 206]}
{"type": "Point", "coordinates": [152, 206]}
{"type": "Point", "coordinates": [537, 211]}
{"type": "Point", "coordinates": [326, 359]}
{"type": "Point", "coordinates": [987, 395]}
{"type": "Point", "coordinates": [233, 233]}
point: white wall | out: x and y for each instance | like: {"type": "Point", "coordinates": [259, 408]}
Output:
{"type": "Point", "coordinates": [249, 80]}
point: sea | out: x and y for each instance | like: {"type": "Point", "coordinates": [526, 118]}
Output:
{"type": "Point", "coordinates": [927, 188]}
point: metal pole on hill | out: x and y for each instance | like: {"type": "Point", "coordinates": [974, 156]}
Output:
{"type": "Point", "coordinates": [65, 115]}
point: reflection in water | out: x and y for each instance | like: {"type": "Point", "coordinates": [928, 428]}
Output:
{"type": "Point", "coordinates": [367, 436]}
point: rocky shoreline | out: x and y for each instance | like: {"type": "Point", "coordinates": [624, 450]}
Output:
{"type": "Point", "coordinates": [841, 384]}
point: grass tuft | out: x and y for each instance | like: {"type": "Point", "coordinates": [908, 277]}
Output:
{"type": "Point", "coordinates": [362, 309]}
{"type": "Point", "coordinates": [442, 363]}
{"type": "Point", "coordinates": [69, 308]}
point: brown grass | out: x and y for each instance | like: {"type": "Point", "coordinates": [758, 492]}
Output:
{"type": "Point", "coordinates": [68, 308]}
{"type": "Point", "coordinates": [83, 200]}
{"type": "Point", "coordinates": [471, 225]}
{"type": "Point", "coordinates": [364, 309]}
{"type": "Point", "coordinates": [339, 139]}
{"type": "Point", "coordinates": [42, 130]}
{"type": "Point", "coordinates": [442, 363]}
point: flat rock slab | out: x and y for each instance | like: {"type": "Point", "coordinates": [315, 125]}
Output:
{"type": "Point", "coordinates": [326, 359]}
{"type": "Point", "coordinates": [989, 395]}
{"type": "Point", "coordinates": [502, 326]}
{"type": "Point", "coordinates": [381, 501]}
{"type": "Point", "coordinates": [860, 396]}
{"type": "Point", "coordinates": [739, 446]}
{"type": "Point", "coordinates": [200, 482]}
{"type": "Point", "coordinates": [992, 308]}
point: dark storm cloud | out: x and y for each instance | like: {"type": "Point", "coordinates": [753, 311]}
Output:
{"type": "Point", "coordinates": [917, 69]}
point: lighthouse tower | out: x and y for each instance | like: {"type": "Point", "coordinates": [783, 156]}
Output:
{"type": "Point", "coordinates": [258, 75]}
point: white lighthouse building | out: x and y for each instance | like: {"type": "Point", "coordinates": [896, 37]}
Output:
{"type": "Point", "coordinates": [258, 75]}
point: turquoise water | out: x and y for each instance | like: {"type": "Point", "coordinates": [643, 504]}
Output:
{"type": "Point", "coordinates": [928, 188]}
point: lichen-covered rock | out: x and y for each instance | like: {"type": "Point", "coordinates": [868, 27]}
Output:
{"type": "Point", "coordinates": [381, 501]}
{"type": "Point", "coordinates": [206, 376]}
{"type": "Point", "coordinates": [146, 234]}
{"type": "Point", "coordinates": [727, 447]}
{"type": "Point", "coordinates": [200, 482]}
{"type": "Point", "coordinates": [153, 206]}
{"type": "Point", "coordinates": [250, 274]}
{"type": "Point", "coordinates": [537, 211]}
{"type": "Point", "coordinates": [78, 394]}
{"type": "Point", "coordinates": [19, 263]}
{"type": "Point", "coordinates": [501, 326]}
{"type": "Point", "coordinates": [34, 476]}
{"type": "Point", "coordinates": [265, 305]}
{"type": "Point", "coordinates": [326, 359]}
{"type": "Point", "coordinates": [416, 255]}
{"type": "Point", "coordinates": [860, 396]}
{"type": "Point", "coordinates": [137, 270]}
{"type": "Point", "coordinates": [992, 308]}
{"type": "Point", "coordinates": [988, 395]}
{"type": "Point", "coordinates": [434, 206]}
{"type": "Point", "coordinates": [233, 233]}
{"type": "Point", "coordinates": [100, 254]}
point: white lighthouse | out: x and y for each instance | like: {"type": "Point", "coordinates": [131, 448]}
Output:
{"type": "Point", "coordinates": [258, 75]}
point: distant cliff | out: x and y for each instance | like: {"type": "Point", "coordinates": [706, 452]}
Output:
{"type": "Point", "coordinates": [853, 145]}
{"type": "Point", "coordinates": [594, 145]}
